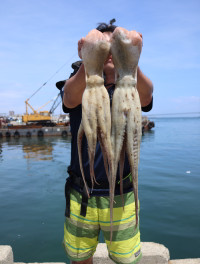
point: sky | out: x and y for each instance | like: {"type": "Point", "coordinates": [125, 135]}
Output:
{"type": "Point", "coordinates": [38, 44]}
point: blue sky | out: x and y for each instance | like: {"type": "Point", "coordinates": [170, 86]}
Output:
{"type": "Point", "coordinates": [38, 37]}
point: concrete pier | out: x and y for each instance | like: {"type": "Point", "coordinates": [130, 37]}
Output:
{"type": "Point", "coordinates": [153, 253]}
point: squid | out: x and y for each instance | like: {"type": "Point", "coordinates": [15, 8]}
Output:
{"type": "Point", "coordinates": [96, 113]}
{"type": "Point", "coordinates": [126, 110]}
{"type": "Point", "coordinates": [118, 129]}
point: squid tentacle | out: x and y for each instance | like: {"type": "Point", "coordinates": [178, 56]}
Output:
{"type": "Point", "coordinates": [79, 141]}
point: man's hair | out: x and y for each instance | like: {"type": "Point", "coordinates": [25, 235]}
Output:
{"type": "Point", "coordinates": [103, 27]}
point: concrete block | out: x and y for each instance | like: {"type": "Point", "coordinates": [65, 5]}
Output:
{"type": "Point", "coordinates": [185, 261]}
{"type": "Point", "coordinates": [153, 253]}
{"type": "Point", "coordinates": [6, 255]}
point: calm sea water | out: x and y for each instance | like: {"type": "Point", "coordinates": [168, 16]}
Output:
{"type": "Point", "coordinates": [32, 178]}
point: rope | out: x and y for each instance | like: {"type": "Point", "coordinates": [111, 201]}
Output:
{"type": "Point", "coordinates": [51, 77]}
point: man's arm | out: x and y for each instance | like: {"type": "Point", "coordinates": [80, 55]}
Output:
{"type": "Point", "coordinates": [74, 88]}
{"type": "Point", "coordinates": [145, 88]}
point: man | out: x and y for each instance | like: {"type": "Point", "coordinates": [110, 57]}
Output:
{"type": "Point", "coordinates": [85, 217]}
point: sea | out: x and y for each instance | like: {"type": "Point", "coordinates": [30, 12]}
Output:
{"type": "Point", "coordinates": [32, 178]}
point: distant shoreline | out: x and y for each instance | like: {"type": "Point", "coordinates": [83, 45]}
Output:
{"type": "Point", "coordinates": [175, 115]}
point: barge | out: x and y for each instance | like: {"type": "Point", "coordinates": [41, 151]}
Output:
{"type": "Point", "coordinates": [34, 131]}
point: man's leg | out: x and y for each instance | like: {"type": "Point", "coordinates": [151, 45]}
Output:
{"type": "Point", "coordinates": [81, 233]}
{"type": "Point", "coordinates": [125, 246]}
{"type": "Point", "coordinates": [87, 261]}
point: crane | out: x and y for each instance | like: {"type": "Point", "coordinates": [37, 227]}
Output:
{"type": "Point", "coordinates": [42, 116]}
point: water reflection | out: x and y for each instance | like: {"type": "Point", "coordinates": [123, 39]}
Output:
{"type": "Point", "coordinates": [148, 136]}
{"type": "Point", "coordinates": [38, 152]}
{"type": "Point", "coordinates": [1, 155]}
{"type": "Point", "coordinates": [38, 149]}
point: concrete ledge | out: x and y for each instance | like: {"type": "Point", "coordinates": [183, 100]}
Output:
{"type": "Point", "coordinates": [6, 255]}
{"type": "Point", "coordinates": [101, 255]}
{"type": "Point", "coordinates": [153, 253]}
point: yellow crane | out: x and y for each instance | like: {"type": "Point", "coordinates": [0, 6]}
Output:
{"type": "Point", "coordinates": [42, 116]}
{"type": "Point", "coordinates": [36, 116]}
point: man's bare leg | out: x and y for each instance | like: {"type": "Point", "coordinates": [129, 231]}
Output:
{"type": "Point", "coordinates": [87, 261]}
